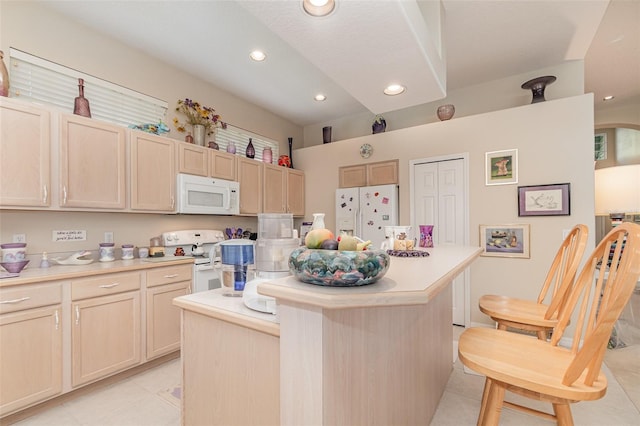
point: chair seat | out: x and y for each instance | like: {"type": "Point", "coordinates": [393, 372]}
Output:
{"type": "Point", "coordinates": [525, 362]}
{"type": "Point", "coordinates": [519, 311]}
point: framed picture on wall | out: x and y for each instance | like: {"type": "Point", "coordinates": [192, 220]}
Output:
{"type": "Point", "coordinates": [544, 200]}
{"type": "Point", "coordinates": [501, 167]}
{"type": "Point", "coordinates": [505, 240]}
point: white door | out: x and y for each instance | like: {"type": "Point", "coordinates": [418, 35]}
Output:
{"type": "Point", "coordinates": [439, 199]}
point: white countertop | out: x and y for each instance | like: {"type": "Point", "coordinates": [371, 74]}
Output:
{"type": "Point", "coordinates": [409, 281]}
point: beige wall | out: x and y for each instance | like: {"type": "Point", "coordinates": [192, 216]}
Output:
{"type": "Point", "coordinates": [38, 30]}
{"type": "Point", "coordinates": [555, 145]}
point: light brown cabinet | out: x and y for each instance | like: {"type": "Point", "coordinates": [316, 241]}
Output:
{"type": "Point", "coordinates": [105, 330]}
{"type": "Point", "coordinates": [163, 318]}
{"type": "Point", "coordinates": [379, 173]}
{"type": "Point", "coordinates": [25, 179]}
{"type": "Point", "coordinates": [222, 165]}
{"type": "Point", "coordinates": [200, 161]}
{"type": "Point", "coordinates": [92, 164]}
{"type": "Point", "coordinates": [250, 178]}
{"type": "Point", "coordinates": [153, 176]}
{"type": "Point", "coordinates": [283, 190]}
{"type": "Point", "coordinates": [30, 345]}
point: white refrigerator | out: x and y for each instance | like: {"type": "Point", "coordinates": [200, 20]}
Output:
{"type": "Point", "coordinates": [365, 211]}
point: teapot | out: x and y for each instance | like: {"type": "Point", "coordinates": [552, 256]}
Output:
{"type": "Point", "coordinates": [197, 250]}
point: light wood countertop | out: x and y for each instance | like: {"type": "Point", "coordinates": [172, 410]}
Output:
{"type": "Point", "coordinates": [34, 274]}
{"type": "Point", "coordinates": [409, 281]}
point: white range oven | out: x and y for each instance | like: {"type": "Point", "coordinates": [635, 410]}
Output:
{"type": "Point", "coordinates": [198, 244]}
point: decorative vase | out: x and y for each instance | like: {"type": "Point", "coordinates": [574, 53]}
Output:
{"type": "Point", "coordinates": [326, 134]}
{"type": "Point", "coordinates": [213, 145]}
{"type": "Point", "coordinates": [199, 132]}
{"type": "Point", "coordinates": [318, 221]}
{"type": "Point", "coordinates": [188, 138]}
{"type": "Point", "coordinates": [251, 152]}
{"type": "Point", "coordinates": [379, 125]}
{"type": "Point", "coordinates": [4, 77]}
{"type": "Point", "coordinates": [267, 155]}
{"type": "Point", "coordinates": [445, 112]}
{"type": "Point", "coordinates": [291, 152]}
{"type": "Point", "coordinates": [231, 148]}
{"type": "Point", "coordinates": [537, 86]}
{"type": "Point", "coordinates": [81, 105]}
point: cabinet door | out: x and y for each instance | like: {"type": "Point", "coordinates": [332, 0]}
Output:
{"type": "Point", "coordinates": [222, 165]}
{"type": "Point", "coordinates": [24, 155]}
{"type": "Point", "coordinates": [275, 189]}
{"type": "Point", "coordinates": [105, 336]}
{"type": "Point", "coordinates": [163, 318]}
{"type": "Point", "coordinates": [31, 354]}
{"type": "Point", "coordinates": [382, 173]}
{"type": "Point", "coordinates": [352, 176]}
{"type": "Point", "coordinates": [295, 192]}
{"type": "Point", "coordinates": [193, 159]}
{"type": "Point", "coordinates": [153, 177]}
{"type": "Point", "coordinates": [92, 163]}
{"type": "Point", "coordinates": [250, 178]}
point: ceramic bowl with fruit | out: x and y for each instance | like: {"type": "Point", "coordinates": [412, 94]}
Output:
{"type": "Point", "coordinates": [346, 263]}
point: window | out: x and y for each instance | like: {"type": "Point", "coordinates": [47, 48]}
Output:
{"type": "Point", "coordinates": [600, 147]}
{"type": "Point", "coordinates": [240, 138]}
{"type": "Point", "coordinates": [46, 82]}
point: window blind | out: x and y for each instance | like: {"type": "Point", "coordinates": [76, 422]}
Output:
{"type": "Point", "coordinates": [240, 138]}
{"type": "Point", "coordinates": [45, 82]}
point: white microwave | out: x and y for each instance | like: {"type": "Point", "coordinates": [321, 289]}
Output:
{"type": "Point", "coordinates": [203, 195]}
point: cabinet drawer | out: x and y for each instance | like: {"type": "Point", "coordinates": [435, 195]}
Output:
{"type": "Point", "coordinates": [29, 296]}
{"type": "Point", "coordinates": [169, 274]}
{"type": "Point", "coordinates": [104, 285]}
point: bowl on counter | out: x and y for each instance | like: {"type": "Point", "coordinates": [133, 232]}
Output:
{"type": "Point", "coordinates": [14, 267]}
{"type": "Point", "coordinates": [338, 268]}
{"type": "Point", "coordinates": [13, 252]}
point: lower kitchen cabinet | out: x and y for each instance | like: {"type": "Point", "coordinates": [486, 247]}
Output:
{"type": "Point", "coordinates": [163, 318]}
{"type": "Point", "coordinates": [30, 345]}
{"type": "Point", "coordinates": [105, 336]}
{"type": "Point", "coordinates": [31, 357]}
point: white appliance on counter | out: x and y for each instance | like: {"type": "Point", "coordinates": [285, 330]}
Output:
{"type": "Point", "coordinates": [198, 244]}
{"type": "Point", "coordinates": [365, 211]}
{"type": "Point", "coordinates": [206, 195]}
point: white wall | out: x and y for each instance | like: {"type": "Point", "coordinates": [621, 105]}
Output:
{"type": "Point", "coordinates": [555, 145]}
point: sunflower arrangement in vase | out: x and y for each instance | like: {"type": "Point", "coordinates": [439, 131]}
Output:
{"type": "Point", "coordinates": [197, 115]}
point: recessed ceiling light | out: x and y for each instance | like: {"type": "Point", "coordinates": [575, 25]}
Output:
{"type": "Point", "coordinates": [320, 97]}
{"type": "Point", "coordinates": [394, 89]}
{"type": "Point", "coordinates": [318, 7]}
{"type": "Point", "coordinates": [258, 55]}
{"type": "Point", "coordinates": [608, 98]}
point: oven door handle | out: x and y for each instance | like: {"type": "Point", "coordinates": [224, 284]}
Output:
{"type": "Point", "coordinates": [206, 267]}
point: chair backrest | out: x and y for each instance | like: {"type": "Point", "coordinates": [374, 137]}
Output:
{"type": "Point", "coordinates": [615, 259]}
{"type": "Point", "coordinates": [561, 275]}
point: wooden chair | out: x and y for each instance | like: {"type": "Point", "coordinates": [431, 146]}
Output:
{"type": "Point", "coordinates": [536, 316]}
{"type": "Point", "coordinates": [543, 370]}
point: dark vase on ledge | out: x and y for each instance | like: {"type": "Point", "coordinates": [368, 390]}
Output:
{"type": "Point", "coordinates": [251, 151]}
{"type": "Point", "coordinates": [81, 105]}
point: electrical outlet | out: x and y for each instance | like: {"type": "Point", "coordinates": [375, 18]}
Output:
{"type": "Point", "coordinates": [19, 238]}
{"type": "Point", "coordinates": [108, 237]}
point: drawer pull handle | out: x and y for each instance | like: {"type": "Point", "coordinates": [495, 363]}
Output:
{"type": "Point", "coordinates": [171, 276]}
{"type": "Point", "coordinates": [22, 299]}
{"type": "Point", "coordinates": [109, 285]}
{"type": "Point", "coordinates": [57, 320]}
{"type": "Point", "coordinates": [77, 315]}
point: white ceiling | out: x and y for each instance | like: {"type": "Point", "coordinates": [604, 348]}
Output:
{"type": "Point", "coordinates": [366, 44]}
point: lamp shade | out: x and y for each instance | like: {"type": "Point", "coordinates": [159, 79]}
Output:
{"type": "Point", "coordinates": [617, 190]}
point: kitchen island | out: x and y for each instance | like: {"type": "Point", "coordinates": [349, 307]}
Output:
{"type": "Point", "coordinates": [376, 354]}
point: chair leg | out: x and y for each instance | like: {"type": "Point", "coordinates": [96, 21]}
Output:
{"type": "Point", "coordinates": [493, 406]}
{"type": "Point", "coordinates": [563, 414]}
{"type": "Point", "coordinates": [542, 335]}
{"type": "Point", "coordinates": [485, 396]}
{"type": "Point", "coordinates": [502, 326]}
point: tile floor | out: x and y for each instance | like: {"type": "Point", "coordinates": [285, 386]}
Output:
{"type": "Point", "coordinates": [143, 400]}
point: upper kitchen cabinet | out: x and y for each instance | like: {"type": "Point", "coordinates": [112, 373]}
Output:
{"type": "Point", "coordinates": [250, 178]}
{"type": "Point", "coordinates": [283, 190]}
{"type": "Point", "coordinates": [92, 164]}
{"type": "Point", "coordinates": [295, 192]}
{"type": "Point", "coordinates": [153, 176]}
{"type": "Point", "coordinates": [379, 173]}
{"type": "Point", "coordinates": [201, 161]}
{"type": "Point", "coordinates": [25, 179]}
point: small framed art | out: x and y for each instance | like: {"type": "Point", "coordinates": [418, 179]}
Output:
{"type": "Point", "coordinates": [544, 200]}
{"type": "Point", "coordinates": [505, 240]}
{"type": "Point", "coordinates": [501, 167]}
